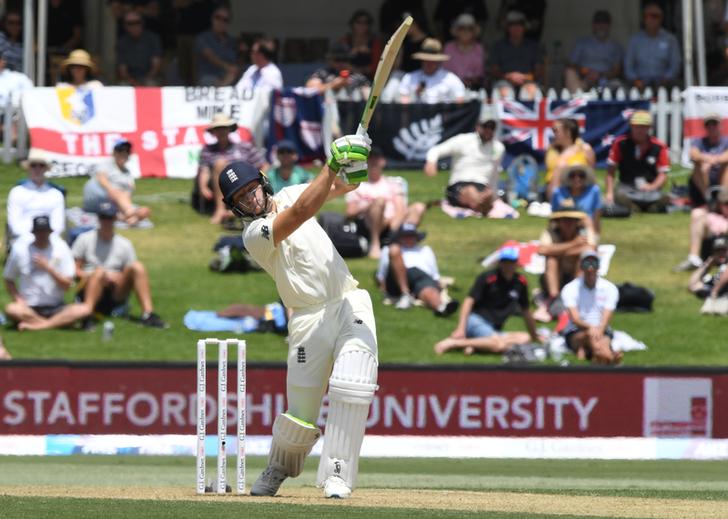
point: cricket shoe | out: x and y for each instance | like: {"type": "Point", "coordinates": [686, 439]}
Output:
{"type": "Point", "coordinates": [336, 488]}
{"type": "Point", "coordinates": [268, 482]}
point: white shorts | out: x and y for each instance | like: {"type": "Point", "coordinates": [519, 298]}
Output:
{"type": "Point", "coordinates": [317, 337]}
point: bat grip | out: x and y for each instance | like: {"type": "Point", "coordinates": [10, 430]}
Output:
{"type": "Point", "coordinates": [360, 130]}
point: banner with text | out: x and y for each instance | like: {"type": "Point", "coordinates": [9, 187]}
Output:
{"type": "Point", "coordinates": [699, 102]}
{"type": "Point", "coordinates": [79, 399]}
{"type": "Point", "coordinates": [77, 128]}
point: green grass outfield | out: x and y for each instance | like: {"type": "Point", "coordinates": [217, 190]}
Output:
{"type": "Point", "coordinates": [178, 250]}
{"type": "Point", "coordinates": [160, 487]}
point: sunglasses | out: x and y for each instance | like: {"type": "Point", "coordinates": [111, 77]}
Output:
{"type": "Point", "coordinates": [590, 263]}
{"type": "Point", "coordinates": [221, 18]}
{"type": "Point", "coordinates": [37, 165]}
{"type": "Point", "coordinates": [131, 23]}
{"type": "Point", "coordinates": [653, 15]}
{"type": "Point", "coordinates": [286, 152]}
{"type": "Point", "coordinates": [577, 174]}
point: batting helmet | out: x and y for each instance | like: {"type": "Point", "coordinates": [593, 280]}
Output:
{"type": "Point", "coordinates": [235, 177]}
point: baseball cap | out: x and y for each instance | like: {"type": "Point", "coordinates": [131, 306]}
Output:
{"type": "Point", "coordinates": [235, 177]}
{"type": "Point", "coordinates": [508, 254]}
{"type": "Point", "coordinates": [720, 242]}
{"type": "Point", "coordinates": [286, 145]}
{"type": "Point", "coordinates": [42, 223]}
{"type": "Point", "coordinates": [122, 145]}
{"type": "Point", "coordinates": [464, 20]}
{"type": "Point", "coordinates": [589, 254]}
{"type": "Point", "coordinates": [107, 210]}
{"type": "Point", "coordinates": [409, 229]}
{"type": "Point", "coordinates": [641, 118]}
{"type": "Point", "coordinates": [602, 16]}
{"type": "Point", "coordinates": [514, 17]}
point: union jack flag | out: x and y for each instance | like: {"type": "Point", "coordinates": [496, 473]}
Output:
{"type": "Point", "coordinates": [525, 126]}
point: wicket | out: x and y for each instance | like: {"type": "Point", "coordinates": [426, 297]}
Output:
{"type": "Point", "coordinates": [222, 366]}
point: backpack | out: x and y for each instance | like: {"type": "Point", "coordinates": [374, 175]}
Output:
{"type": "Point", "coordinates": [634, 298]}
{"type": "Point", "coordinates": [231, 256]}
{"type": "Point", "coordinates": [344, 234]}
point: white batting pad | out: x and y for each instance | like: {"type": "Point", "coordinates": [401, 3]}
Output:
{"type": "Point", "coordinates": [351, 390]}
{"type": "Point", "coordinates": [293, 440]}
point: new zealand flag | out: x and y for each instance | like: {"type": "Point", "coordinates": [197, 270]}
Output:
{"type": "Point", "coordinates": [296, 115]}
{"type": "Point", "coordinates": [526, 126]}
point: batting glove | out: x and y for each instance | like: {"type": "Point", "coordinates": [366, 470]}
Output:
{"type": "Point", "coordinates": [349, 152]}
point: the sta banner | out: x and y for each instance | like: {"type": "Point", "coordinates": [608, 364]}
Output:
{"type": "Point", "coordinates": [525, 126]}
{"type": "Point", "coordinates": [142, 399]}
{"type": "Point", "coordinates": [699, 102]}
{"type": "Point", "coordinates": [77, 128]}
{"type": "Point", "coordinates": [406, 131]}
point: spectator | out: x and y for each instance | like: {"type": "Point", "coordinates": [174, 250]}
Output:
{"type": "Point", "coordinates": [448, 11]}
{"type": "Point", "coordinates": [288, 172]}
{"type": "Point", "coordinates": [108, 269]}
{"type": "Point", "coordinates": [12, 86]}
{"type": "Point", "coordinates": [408, 270]}
{"type": "Point", "coordinates": [78, 71]}
{"type": "Point", "coordinates": [38, 272]}
{"type": "Point", "coordinates": [476, 164]}
{"type": "Point", "coordinates": [431, 83]}
{"type": "Point", "coordinates": [704, 284]}
{"type": "Point", "coordinates": [413, 40]}
{"type": "Point", "coordinates": [467, 57]}
{"type": "Point", "coordinates": [596, 60]}
{"type": "Point", "coordinates": [516, 61]}
{"type": "Point", "coordinates": [566, 149]}
{"type": "Point", "coordinates": [533, 11]}
{"type": "Point", "coordinates": [191, 18]}
{"type": "Point", "coordinates": [138, 53]}
{"type": "Point", "coordinates": [566, 237]}
{"type": "Point", "coordinates": [337, 74]}
{"type": "Point", "coordinates": [11, 39]}
{"type": "Point", "coordinates": [653, 54]}
{"type": "Point", "coordinates": [708, 225]}
{"type": "Point", "coordinates": [113, 182]}
{"type": "Point", "coordinates": [365, 46]}
{"type": "Point", "coordinates": [263, 73]}
{"type": "Point", "coordinates": [33, 197]}
{"type": "Point", "coordinates": [495, 295]}
{"type": "Point", "coordinates": [709, 155]}
{"type": "Point", "coordinates": [643, 163]}
{"type": "Point", "coordinates": [579, 190]}
{"type": "Point", "coordinates": [380, 204]}
{"type": "Point", "coordinates": [214, 158]}
{"type": "Point", "coordinates": [64, 34]}
{"type": "Point", "coordinates": [216, 52]}
{"type": "Point", "coordinates": [590, 301]}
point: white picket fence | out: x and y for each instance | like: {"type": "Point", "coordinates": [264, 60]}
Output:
{"type": "Point", "coordinates": [15, 137]}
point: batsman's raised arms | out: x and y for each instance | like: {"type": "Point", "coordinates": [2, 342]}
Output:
{"type": "Point", "coordinates": [386, 62]}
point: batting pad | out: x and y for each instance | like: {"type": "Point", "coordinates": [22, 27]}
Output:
{"type": "Point", "coordinates": [351, 389]}
{"type": "Point", "coordinates": [293, 440]}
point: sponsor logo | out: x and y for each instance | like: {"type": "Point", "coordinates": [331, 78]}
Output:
{"type": "Point", "coordinates": [675, 407]}
{"type": "Point", "coordinates": [358, 321]}
{"type": "Point", "coordinates": [265, 232]}
{"type": "Point", "coordinates": [77, 105]}
{"type": "Point", "coordinates": [301, 355]}
{"type": "Point", "coordinates": [232, 177]}
{"type": "Point", "coordinates": [337, 468]}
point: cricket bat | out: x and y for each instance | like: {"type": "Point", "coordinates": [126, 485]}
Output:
{"type": "Point", "coordinates": [384, 68]}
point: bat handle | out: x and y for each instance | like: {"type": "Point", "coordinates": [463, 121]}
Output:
{"type": "Point", "coordinates": [361, 130]}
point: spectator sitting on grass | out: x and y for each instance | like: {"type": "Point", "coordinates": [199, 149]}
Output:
{"type": "Point", "coordinates": [33, 197]}
{"type": "Point", "coordinates": [643, 163]}
{"type": "Point", "coordinates": [579, 190]}
{"type": "Point", "coordinates": [710, 163]}
{"type": "Point", "coordinates": [408, 270]}
{"type": "Point", "coordinates": [476, 163]}
{"type": "Point", "coordinates": [566, 149]}
{"type": "Point", "coordinates": [380, 204]}
{"type": "Point", "coordinates": [38, 272]}
{"type": "Point", "coordinates": [495, 296]}
{"type": "Point", "coordinates": [704, 284]}
{"type": "Point", "coordinates": [709, 224]}
{"type": "Point", "coordinates": [113, 182]}
{"type": "Point", "coordinates": [108, 270]}
{"type": "Point", "coordinates": [590, 301]}
{"type": "Point", "coordinates": [565, 239]}
{"type": "Point", "coordinates": [288, 172]}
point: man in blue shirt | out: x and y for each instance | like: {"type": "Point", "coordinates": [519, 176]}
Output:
{"type": "Point", "coordinates": [653, 54]}
{"type": "Point", "coordinates": [596, 60]}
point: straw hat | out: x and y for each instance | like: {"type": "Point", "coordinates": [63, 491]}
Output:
{"type": "Point", "coordinates": [573, 215]}
{"type": "Point", "coordinates": [78, 57]}
{"type": "Point", "coordinates": [221, 120]}
{"type": "Point", "coordinates": [431, 50]}
{"type": "Point", "coordinates": [588, 181]}
{"type": "Point", "coordinates": [641, 118]}
{"type": "Point", "coordinates": [35, 155]}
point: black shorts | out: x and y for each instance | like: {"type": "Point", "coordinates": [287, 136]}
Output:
{"type": "Point", "coordinates": [572, 330]}
{"type": "Point", "coordinates": [106, 304]}
{"type": "Point", "coordinates": [416, 279]}
{"type": "Point", "coordinates": [697, 198]}
{"type": "Point", "coordinates": [453, 191]}
{"type": "Point", "coordinates": [48, 311]}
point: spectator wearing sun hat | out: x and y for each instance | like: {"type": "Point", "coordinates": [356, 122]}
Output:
{"type": "Point", "coordinates": [517, 61]}
{"type": "Point", "coordinates": [431, 83]}
{"type": "Point", "coordinates": [467, 57]}
{"type": "Point", "coordinates": [114, 182]}
{"type": "Point", "coordinates": [78, 70]}
{"type": "Point", "coordinates": [35, 196]}
{"type": "Point", "coordinates": [643, 162]}
{"type": "Point", "coordinates": [206, 196]}
{"type": "Point", "coordinates": [495, 295]}
{"type": "Point", "coordinates": [579, 190]}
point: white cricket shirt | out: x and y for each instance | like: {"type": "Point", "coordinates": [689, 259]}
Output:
{"type": "Point", "coordinates": [305, 266]}
{"type": "Point", "coordinates": [472, 160]}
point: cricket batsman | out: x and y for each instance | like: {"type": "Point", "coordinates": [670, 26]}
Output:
{"type": "Point", "coordinates": [332, 335]}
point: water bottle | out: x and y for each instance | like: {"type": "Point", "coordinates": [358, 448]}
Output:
{"type": "Point", "coordinates": [108, 331]}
